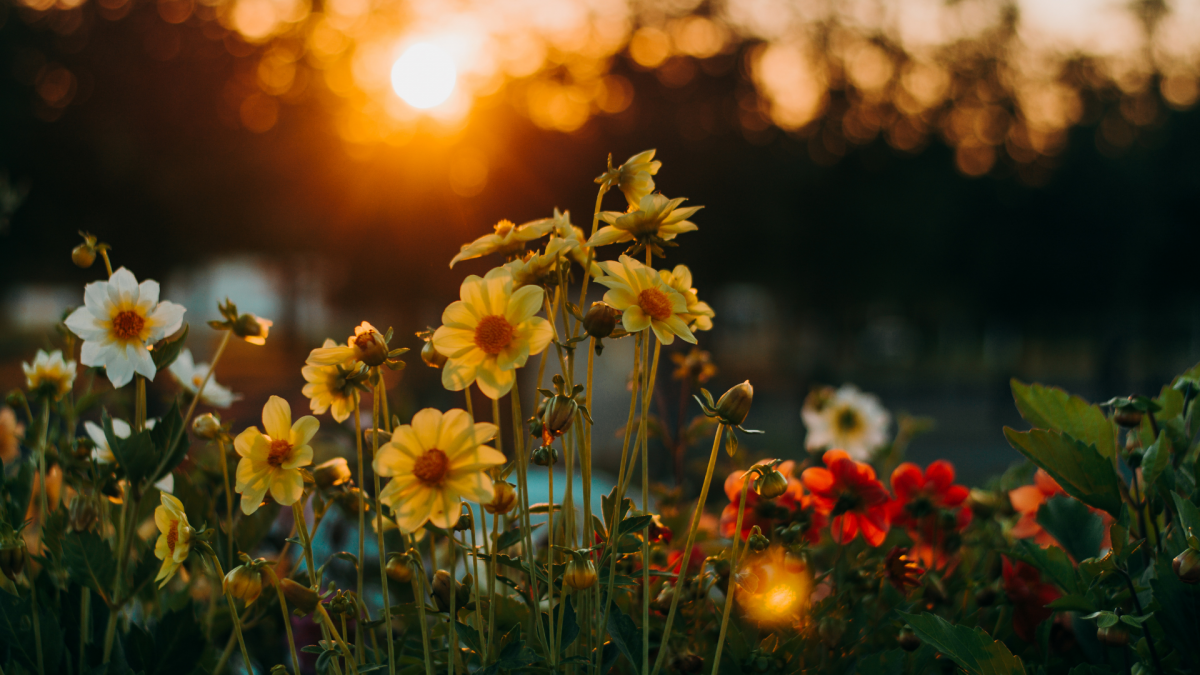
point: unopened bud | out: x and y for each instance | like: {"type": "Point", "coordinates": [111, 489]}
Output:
{"type": "Point", "coordinates": [243, 582]}
{"type": "Point", "coordinates": [331, 473]}
{"type": "Point", "coordinates": [353, 500]}
{"type": "Point", "coordinates": [279, 669]}
{"type": "Point", "coordinates": [600, 320]}
{"type": "Point", "coordinates": [756, 541]}
{"type": "Point", "coordinates": [83, 255]}
{"type": "Point", "coordinates": [12, 557]}
{"type": "Point", "coordinates": [1113, 636]}
{"type": "Point", "coordinates": [558, 416]}
{"type": "Point", "coordinates": [1187, 566]}
{"type": "Point", "coordinates": [1128, 418]}
{"type": "Point", "coordinates": [15, 399]}
{"type": "Point", "coordinates": [466, 522]}
{"type": "Point", "coordinates": [399, 569]}
{"type": "Point", "coordinates": [545, 456]}
{"type": "Point", "coordinates": [83, 514]}
{"type": "Point", "coordinates": [431, 356]}
{"type": "Point", "coordinates": [734, 405]}
{"type": "Point", "coordinates": [580, 574]}
{"type": "Point", "coordinates": [504, 498]}
{"type": "Point", "coordinates": [442, 586]}
{"type": "Point", "coordinates": [252, 328]}
{"type": "Point", "coordinates": [771, 484]}
{"type": "Point", "coordinates": [299, 597]}
{"type": "Point", "coordinates": [909, 641]}
{"type": "Point", "coordinates": [206, 426]}
{"type": "Point", "coordinates": [371, 348]}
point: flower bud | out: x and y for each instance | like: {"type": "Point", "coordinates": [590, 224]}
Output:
{"type": "Point", "coordinates": [466, 522]}
{"type": "Point", "coordinates": [545, 456]}
{"type": "Point", "coordinates": [206, 426]}
{"type": "Point", "coordinates": [331, 473]}
{"type": "Point", "coordinates": [441, 589]}
{"type": "Point", "coordinates": [734, 404]}
{"type": "Point", "coordinates": [352, 500]}
{"type": "Point", "coordinates": [600, 320]}
{"type": "Point", "coordinates": [1128, 418]}
{"type": "Point", "coordinates": [1113, 636]}
{"type": "Point", "coordinates": [299, 597]}
{"type": "Point", "coordinates": [12, 557]}
{"type": "Point", "coordinates": [82, 515]}
{"type": "Point", "coordinates": [580, 574]}
{"type": "Point", "coordinates": [771, 484]}
{"type": "Point", "coordinates": [687, 663]}
{"type": "Point", "coordinates": [431, 356]}
{"type": "Point", "coordinates": [908, 640]}
{"type": "Point", "coordinates": [15, 399]}
{"type": "Point", "coordinates": [756, 541]}
{"type": "Point", "coordinates": [558, 416]}
{"type": "Point", "coordinates": [279, 669]}
{"type": "Point", "coordinates": [1187, 566]}
{"type": "Point", "coordinates": [504, 498]}
{"type": "Point", "coordinates": [398, 568]}
{"type": "Point", "coordinates": [372, 350]}
{"type": "Point", "coordinates": [243, 582]}
{"type": "Point", "coordinates": [83, 255]}
{"type": "Point", "coordinates": [251, 328]}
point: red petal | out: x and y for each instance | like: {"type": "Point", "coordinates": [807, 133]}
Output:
{"type": "Point", "coordinates": [818, 481]}
{"type": "Point", "coordinates": [907, 480]}
{"type": "Point", "coordinates": [941, 474]}
{"type": "Point", "coordinates": [955, 495]}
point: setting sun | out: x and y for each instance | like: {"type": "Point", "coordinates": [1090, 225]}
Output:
{"type": "Point", "coordinates": [424, 76]}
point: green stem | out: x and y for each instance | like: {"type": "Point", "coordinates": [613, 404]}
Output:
{"type": "Point", "coordinates": [37, 623]}
{"type": "Point", "coordinates": [452, 617]}
{"type": "Point", "coordinates": [418, 589]}
{"type": "Point", "coordinates": [199, 393]}
{"type": "Point", "coordinates": [550, 563]}
{"type": "Point", "coordinates": [381, 397]}
{"type": "Point", "coordinates": [523, 489]}
{"type": "Point", "coordinates": [85, 611]}
{"type": "Point", "coordinates": [237, 622]}
{"type": "Point", "coordinates": [228, 494]}
{"type": "Point", "coordinates": [225, 654]}
{"type": "Point", "coordinates": [733, 566]}
{"type": "Point", "coordinates": [362, 515]}
{"type": "Point", "coordinates": [287, 618]}
{"type": "Point", "coordinates": [305, 542]}
{"type": "Point", "coordinates": [337, 637]}
{"type": "Point", "coordinates": [644, 441]}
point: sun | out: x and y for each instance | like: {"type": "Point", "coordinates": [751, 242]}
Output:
{"type": "Point", "coordinates": [424, 76]}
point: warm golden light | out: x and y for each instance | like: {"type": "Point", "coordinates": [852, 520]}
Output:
{"type": "Point", "coordinates": [424, 76]}
{"type": "Point", "coordinates": [780, 590]}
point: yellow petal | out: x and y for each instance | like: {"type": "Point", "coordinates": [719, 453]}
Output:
{"type": "Point", "coordinates": [277, 418]}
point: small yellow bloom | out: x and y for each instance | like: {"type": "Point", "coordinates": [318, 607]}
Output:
{"type": "Point", "coordinates": [175, 540]}
{"type": "Point", "coordinates": [655, 218]}
{"type": "Point", "coordinates": [699, 315]}
{"type": "Point", "coordinates": [50, 373]}
{"type": "Point", "coordinates": [327, 387]}
{"type": "Point", "coordinates": [634, 176]}
{"type": "Point", "coordinates": [490, 333]}
{"type": "Point", "coordinates": [272, 461]}
{"type": "Point", "coordinates": [435, 464]}
{"type": "Point", "coordinates": [361, 346]}
{"type": "Point", "coordinates": [645, 300]}
{"type": "Point", "coordinates": [507, 240]}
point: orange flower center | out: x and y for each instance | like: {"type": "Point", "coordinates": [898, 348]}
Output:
{"type": "Point", "coordinates": [504, 227]}
{"type": "Point", "coordinates": [431, 468]}
{"type": "Point", "coordinates": [279, 452]}
{"type": "Point", "coordinates": [128, 325]}
{"type": "Point", "coordinates": [363, 340]}
{"type": "Point", "coordinates": [493, 334]}
{"type": "Point", "coordinates": [655, 303]}
{"type": "Point", "coordinates": [173, 536]}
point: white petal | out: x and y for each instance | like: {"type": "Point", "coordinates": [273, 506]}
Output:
{"type": "Point", "coordinates": [139, 356]}
{"type": "Point", "coordinates": [123, 289]}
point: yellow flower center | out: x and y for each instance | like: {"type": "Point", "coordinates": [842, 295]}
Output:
{"type": "Point", "coordinates": [197, 380]}
{"type": "Point", "coordinates": [128, 325]}
{"type": "Point", "coordinates": [279, 452]}
{"type": "Point", "coordinates": [172, 536]}
{"type": "Point", "coordinates": [363, 340]}
{"type": "Point", "coordinates": [431, 467]}
{"type": "Point", "coordinates": [504, 227]}
{"type": "Point", "coordinates": [655, 303]}
{"type": "Point", "coordinates": [847, 420]}
{"type": "Point", "coordinates": [493, 334]}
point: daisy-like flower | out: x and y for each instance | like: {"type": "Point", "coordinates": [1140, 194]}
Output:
{"type": "Point", "coordinates": [846, 419]}
{"type": "Point", "coordinates": [657, 219]}
{"type": "Point", "coordinates": [190, 376]}
{"type": "Point", "coordinates": [575, 248]}
{"type": "Point", "coordinates": [634, 176]}
{"type": "Point", "coordinates": [120, 317]}
{"type": "Point", "coordinates": [849, 492]}
{"type": "Point", "coordinates": [364, 345]}
{"type": "Point", "coordinates": [490, 333]}
{"type": "Point", "coordinates": [102, 453]}
{"type": "Point", "coordinates": [327, 388]}
{"type": "Point", "coordinates": [175, 538]}
{"type": "Point", "coordinates": [699, 315]}
{"type": "Point", "coordinates": [435, 464]}
{"type": "Point", "coordinates": [50, 374]}
{"type": "Point", "coordinates": [508, 239]}
{"type": "Point", "coordinates": [272, 461]}
{"type": "Point", "coordinates": [645, 300]}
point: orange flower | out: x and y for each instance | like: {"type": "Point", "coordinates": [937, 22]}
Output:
{"type": "Point", "coordinates": [793, 505]}
{"type": "Point", "coordinates": [1027, 499]}
{"type": "Point", "coordinates": [849, 492]}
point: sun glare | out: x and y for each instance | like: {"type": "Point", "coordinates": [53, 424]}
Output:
{"type": "Point", "coordinates": [424, 76]}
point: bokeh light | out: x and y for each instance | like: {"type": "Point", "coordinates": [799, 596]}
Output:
{"type": "Point", "coordinates": [776, 587]}
{"type": "Point", "coordinates": [424, 76]}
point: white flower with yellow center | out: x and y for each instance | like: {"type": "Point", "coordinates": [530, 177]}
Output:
{"type": "Point", "coordinates": [357, 348]}
{"type": "Point", "coordinates": [190, 376]}
{"type": "Point", "coordinates": [327, 389]}
{"type": "Point", "coordinates": [50, 374]}
{"type": "Point", "coordinates": [847, 419]}
{"type": "Point", "coordinates": [507, 240]}
{"type": "Point", "coordinates": [103, 454]}
{"type": "Point", "coordinates": [645, 300]}
{"type": "Point", "coordinates": [119, 319]}
{"type": "Point", "coordinates": [490, 333]}
{"type": "Point", "coordinates": [272, 461]}
{"type": "Point", "coordinates": [435, 464]}
{"type": "Point", "coordinates": [699, 315]}
{"type": "Point", "coordinates": [174, 539]}
{"type": "Point", "coordinates": [655, 217]}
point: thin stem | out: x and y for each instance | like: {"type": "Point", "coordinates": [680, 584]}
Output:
{"type": "Point", "coordinates": [305, 542]}
{"type": "Point", "coordinates": [37, 622]}
{"type": "Point", "coordinates": [585, 461]}
{"type": "Point", "coordinates": [491, 641]}
{"type": "Point", "coordinates": [337, 637]}
{"type": "Point", "coordinates": [644, 440]}
{"type": "Point", "coordinates": [287, 618]}
{"type": "Point", "coordinates": [1137, 603]}
{"type": "Point", "coordinates": [362, 515]}
{"type": "Point", "coordinates": [237, 622]}
{"type": "Point", "coordinates": [139, 411]}
{"type": "Point", "coordinates": [44, 492]}
{"type": "Point", "coordinates": [228, 494]}
{"type": "Point", "coordinates": [523, 489]}
{"type": "Point", "coordinates": [550, 561]}
{"type": "Point", "coordinates": [687, 548]}
{"type": "Point", "coordinates": [591, 251]}
{"type": "Point", "coordinates": [381, 398]}
{"type": "Point", "coordinates": [225, 654]}
{"type": "Point", "coordinates": [451, 618]}
{"type": "Point", "coordinates": [733, 566]}
{"type": "Point", "coordinates": [85, 611]}
{"type": "Point", "coordinates": [200, 390]}
{"type": "Point", "coordinates": [418, 589]}
{"type": "Point", "coordinates": [475, 572]}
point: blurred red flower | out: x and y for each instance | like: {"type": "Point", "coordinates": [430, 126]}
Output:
{"type": "Point", "coordinates": [793, 505]}
{"type": "Point", "coordinates": [1029, 596]}
{"type": "Point", "coordinates": [930, 507]}
{"type": "Point", "coordinates": [849, 492]}
{"type": "Point", "coordinates": [1027, 499]}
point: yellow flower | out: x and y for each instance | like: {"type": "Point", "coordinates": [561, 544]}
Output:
{"type": "Point", "coordinates": [435, 464]}
{"type": "Point", "coordinates": [508, 239]}
{"type": "Point", "coordinates": [490, 333]}
{"type": "Point", "coordinates": [362, 346]}
{"type": "Point", "coordinates": [655, 218]}
{"type": "Point", "coordinates": [50, 373]}
{"type": "Point", "coordinates": [175, 540]}
{"type": "Point", "coordinates": [634, 176]}
{"type": "Point", "coordinates": [699, 315]}
{"type": "Point", "coordinates": [327, 387]}
{"type": "Point", "coordinates": [645, 300]}
{"type": "Point", "coordinates": [272, 461]}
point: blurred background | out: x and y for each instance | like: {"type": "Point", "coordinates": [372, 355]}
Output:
{"type": "Point", "coordinates": [922, 197]}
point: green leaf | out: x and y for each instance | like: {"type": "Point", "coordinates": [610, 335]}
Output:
{"type": "Point", "coordinates": [1053, 409]}
{"type": "Point", "coordinates": [513, 537]}
{"type": "Point", "coordinates": [570, 625]}
{"type": "Point", "coordinates": [1103, 619]}
{"type": "Point", "coordinates": [1073, 603]}
{"type": "Point", "coordinates": [626, 635]}
{"type": "Point", "coordinates": [165, 353]}
{"type": "Point", "coordinates": [468, 635]}
{"type": "Point", "coordinates": [972, 649]}
{"type": "Point", "coordinates": [89, 560]}
{"type": "Point", "coordinates": [136, 454]}
{"type": "Point", "coordinates": [1052, 561]}
{"type": "Point", "coordinates": [1156, 459]}
{"type": "Point", "coordinates": [1077, 467]}
{"type": "Point", "coordinates": [1073, 525]}
{"type": "Point", "coordinates": [16, 631]}
{"type": "Point", "coordinates": [169, 428]}
{"type": "Point", "coordinates": [606, 508]}
{"type": "Point", "coordinates": [1178, 612]}
{"type": "Point", "coordinates": [636, 523]}
{"type": "Point", "coordinates": [1189, 515]}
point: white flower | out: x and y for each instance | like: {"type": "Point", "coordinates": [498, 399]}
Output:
{"type": "Point", "coordinates": [51, 372]}
{"type": "Point", "coordinates": [103, 454]}
{"type": "Point", "coordinates": [190, 375]}
{"type": "Point", "coordinates": [120, 317]}
{"type": "Point", "coordinates": [846, 419]}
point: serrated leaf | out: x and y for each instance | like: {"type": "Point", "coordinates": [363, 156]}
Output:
{"type": "Point", "coordinates": [135, 454]}
{"type": "Point", "coordinates": [625, 634]}
{"type": "Point", "coordinates": [1189, 515]}
{"type": "Point", "coordinates": [1077, 467]}
{"type": "Point", "coordinates": [16, 631]}
{"type": "Point", "coordinates": [89, 560]}
{"type": "Point", "coordinates": [1053, 409]}
{"type": "Point", "coordinates": [972, 649]}
{"type": "Point", "coordinates": [1178, 611]}
{"type": "Point", "coordinates": [1156, 459]}
{"type": "Point", "coordinates": [1072, 525]}
{"type": "Point", "coordinates": [468, 635]}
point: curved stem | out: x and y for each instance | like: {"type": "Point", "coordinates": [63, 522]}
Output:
{"type": "Point", "coordinates": [523, 489]}
{"type": "Point", "coordinates": [733, 565]}
{"type": "Point", "coordinates": [305, 542]}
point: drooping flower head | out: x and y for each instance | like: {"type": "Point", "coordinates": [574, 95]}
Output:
{"type": "Point", "coordinates": [1029, 596]}
{"type": "Point", "coordinates": [119, 319]}
{"type": "Point", "coordinates": [846, 419]}
{"type": "Point", "coordinates": [272, 461]}
{"type": "Point", "coordinates": [645, 300]}
{"type": "Point", "coordinates": [435, 464]}
{"type": "Point", "coordinates": [655, 221]}
{"type": "Point", "coordinates": [490, 333]}
{"type": "Point", "coordinates": [102, 452]}
{"type": "Point", "coordinates": [699, 315]}
{"type": "Point", "coordinates": [930, 507]}
{"type": "Point", "coordinates": [175, 538]}
{"type": "Point", "coordinates": [634, 176]}
{"type": "Point", "coordinates": [330, 387]}
{"type": "Point", "coordinates": [190, 376]}
{"type": "Point", "coordinates": [49, 374]}
{"type": "Point", "coordinates": [508, 239]}
{"type": "Point", "coordinates": [849, 492]}
{"type": "Point", "coordinates": [366, 345]}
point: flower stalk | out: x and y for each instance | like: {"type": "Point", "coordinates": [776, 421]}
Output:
{"type": "Point", "coordinates": [733, 567]}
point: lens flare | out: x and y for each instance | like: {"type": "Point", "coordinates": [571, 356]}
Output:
{"type": "Point", "coordinates": [780, 590]}
{"type": "Point", "coordinates": [424, 76]}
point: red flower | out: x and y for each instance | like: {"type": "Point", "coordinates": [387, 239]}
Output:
{"type": "Point", "coordinates": [849, 492]}
{"type": "Point", "coordinates": [1027, 499]}
{"type": "Point", "coordinates": [929, 506]}
{"type": "Point", "coordinates": [695, 562]}
{"type": "Point", "coordinates": [1029, 596]}
{"type": "Point", "coordinates": [793, 505]}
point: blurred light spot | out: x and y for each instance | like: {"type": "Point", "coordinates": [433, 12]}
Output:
{"type": "Point", "coordinates": [37, 307]}
{"type": "Point", "coordinates": [1180, 91]}
{"type": "Point", "coordinates": [468, 172]}
{"type": "Point", "coordinates": [699, 36]}
{"type": "Point", "coordinates": [649, 47]}
{"type": "Point", "coordinates": [616, 94]}
{"type": "Point", "coordinates": [424, 75]}
{"type": "Point", "coordinates": [175, 11]}
{"type": "Point", "coordinates": [259, 112]}
{"type": "Point", "coordinates": [975, 160]}
{"type": "Point", "coordinates": [56, 86]}
{"type": "Point", "coordinates": [791, 83]}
